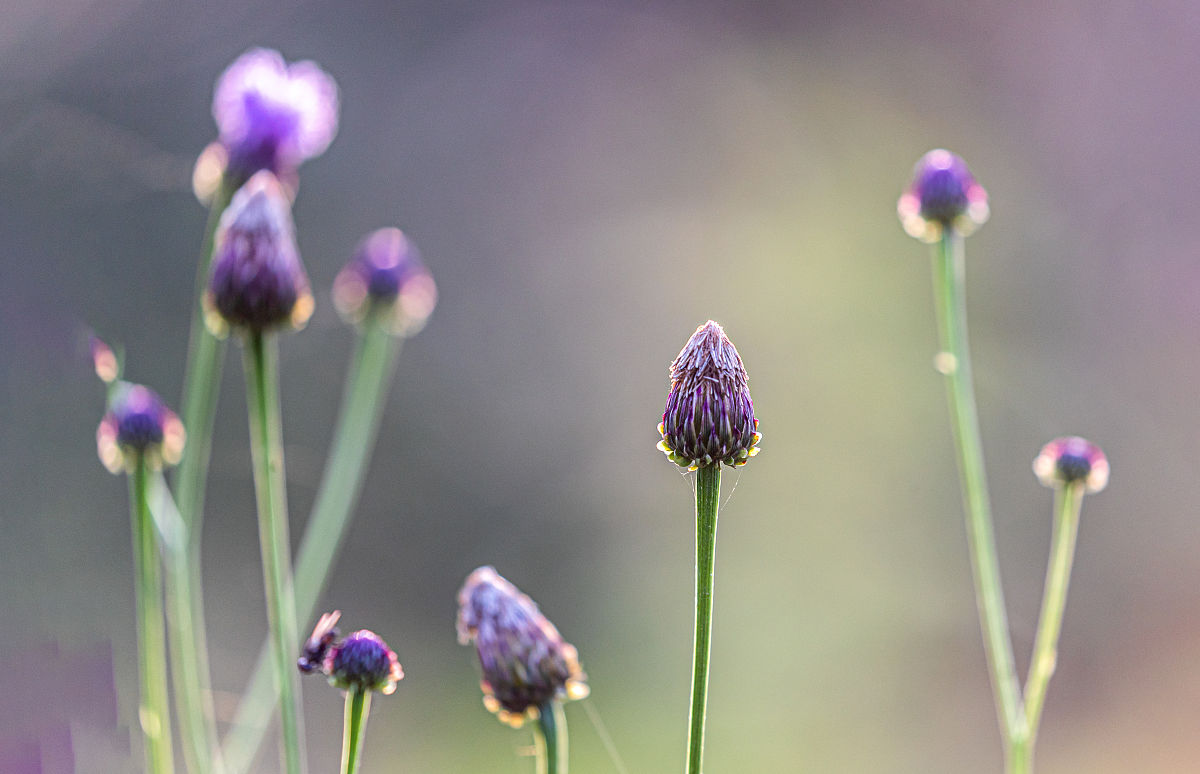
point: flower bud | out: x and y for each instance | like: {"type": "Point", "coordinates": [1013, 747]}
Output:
{"type": "Point", "coordinates": [1072, 459]}
{"type": "Point", "coordinates": [386, 275]}
{"type": "Point", "coordinates": [524, 660]}
{"type": "Point", "coordinates": [709, 417]}
{"type": "Point", "coordinates": [138, 425]}
{"type": "Point", "coordinates": [273, 116]}
{"type": "Point", "coordinates": [943, 194]}
{"type": "Point", "coordinates": [363, 661]}
{"type": "Point", "coordinates": [257, 281]}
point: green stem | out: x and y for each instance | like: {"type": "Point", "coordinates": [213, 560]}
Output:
{"type": "Point", "coordinates": [153, 707]}
{"type": "Point", "coordinates": [354, 436]}
{"type": "Point", "coordinates": [358, 707]}
{"type": "Point", "coordinates": [955, 363]}
{"type": "Point", "coordinates": [708, 495]}
{"type": "Point", "coordinates": [550, 738]}
{"type": "Point", "coordinates": [266, 446]}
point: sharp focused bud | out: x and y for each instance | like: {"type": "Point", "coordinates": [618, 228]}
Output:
{"type": "Point", "coordinates": [386, 276]}
{"type": "Point", "coordinates": [943, 195]}
{"type": "Point", "coordinates": [709, 417]}
{"type": "Point", "coordinates": [138, 425]}
{"type": "Point", "coordinates": [363, 661]}
{"type": "Point", "coordinates": [524, 660]}
{"type": "Point", "coordinates": [273, 116]}
{"type": "Point", "coordinates": [257, 281]}
{"type": "Point", "coordinates": [1069, 460]}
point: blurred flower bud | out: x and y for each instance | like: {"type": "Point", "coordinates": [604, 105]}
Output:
{"type": "Point", "coordinates": [386, 275]}
{"type": "Point", "coordinates": [524, 660]}
{"type": "Point", "coordinates": [138, 424]}
{"type": "Point", "coordinates": [943, 194]}
{"type": "Point", "coordinates": [257, 281]}
{"type": "Point", "coordinates": [1069, 460]}
{"type": "Point", "coordinates": [363, 661]}
{"type": "Point", "coordinates": [108, 368]}
{"type": "Point", "coordinates": [709, 417]}
{"type": "Point", "coordinates": [273, 116]}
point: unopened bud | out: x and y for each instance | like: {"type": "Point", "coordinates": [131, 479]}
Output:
{"type": "Point", "coordinates": [943, 195]}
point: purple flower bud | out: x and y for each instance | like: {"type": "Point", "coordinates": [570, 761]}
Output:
{"type": "Point", "coordinates": [273, 116]}
{"type": "Point", "coordinates": [386, 275]}
{"type": "Point", "coordinates": [1071, 459]}
{"type": "Point", "coordinates": [363, 661]}
{"type": "Point", "coordinates": [709, 417]}
{"type": "Point", "coordinates": [257, 281]}
{"type": "Point", "coordinates": [138, 424]}
{"type": "Point", "coordinates": [943, 194]}
{"type": "Point", "coordinates": [524, 660]}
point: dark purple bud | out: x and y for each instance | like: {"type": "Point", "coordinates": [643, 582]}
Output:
{"type": "Point", "coordinates": [709, 417]}
{"type": "Point", "coordinates": [273, 116]}
{"type": "Point", "coordinates": [363, 661]}
{"type": "Point", "coordinates": [943, 194]}
{"type": "Point", "coordinates": [524, 660]}
{"type": "Point", "coordinates": [257, 281]}
{"type": "Point", "coordinates": [386, 275]}
{"type": "Point", "coordinates": [1069, 460]}
{"type": "Point", "coordinates": [138, 425]}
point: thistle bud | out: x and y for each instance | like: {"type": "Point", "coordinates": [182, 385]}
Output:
{"type": "Point", "coordinates": [943, 195]}
{"type": "Point", "coordinates": [386, 275]}
{"type": "Point", "coordinates": [363, 661]}
{"type": "Point", "coordinates": [273, 116]}
{"type": "Point", "coordinates": [709, 417]}
{"type": "Point", "coordinates": [257, 281]}
{"type": "Point", "coordinates": [1069, 460]}
{"type": "Point", "coordinates": [524, 660]}
{"type": "Point", "coordinates": [138, 425]}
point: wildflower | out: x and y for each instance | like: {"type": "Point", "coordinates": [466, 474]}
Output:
{"type": "Point", "coordinates": [273, 116]}
{"type": "Point", "coordinates": [138, 425]}
{"type": "Point", "coordinates": [257, 281]}
{"type": "Point", "coordinates": [1069, 460]}
{"type": "Point", "coordinates": [386, 274]}
{"type": "Point", "coordinates": [943, 195]}
{"type": "Point", "coordinates": [709, 418]}
{"type": "Point", "coordinates": [363, 661]}
{"type": "Point", "coordinates": [524, 660]}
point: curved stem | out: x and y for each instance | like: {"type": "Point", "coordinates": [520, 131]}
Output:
{"type": "Point", "coordinates": [550, 738]}
{"type": "Point", "coordinates": [358, 707]}
{"type": "Point", "coordinates": [708, 495]}
{"type": "Point", "coordinates": [153, 706]}
{"type": "Point", "coordinates": [955, 363]}
{"type": "Point", "coordinates": [266, 446]}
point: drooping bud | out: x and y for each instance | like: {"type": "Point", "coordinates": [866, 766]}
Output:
{"type": "Point", "coordinates": [709, 417]}
{"type": "Point", "coordinates": [524, 660]}
{"type": "Point", "coordinates": [1072, 459]}
{"type": "Point", "coordinates": [386, 275]}
{"type": "Point", "coordinates": [273, 116]}
{"type": "Point", "coordinates": [257, 281]}
{"type": "Point", "coordinates": [138, 425]}
{"type": "Point", "coordinates": [363, 661]}
{"type": "Point", "coordinates": [943, 194]}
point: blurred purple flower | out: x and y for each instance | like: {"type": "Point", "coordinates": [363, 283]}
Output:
{"type": "Point", "coordinates": [137, 424]}
{"type": "Point", "coordinates": [364, 661]}
{"type": "Point", "coordinates": [1071, 459]}
{"type": "Point", "coordinates": [943, 194]}
{"type": "Point", "coordinates": [386, 274]}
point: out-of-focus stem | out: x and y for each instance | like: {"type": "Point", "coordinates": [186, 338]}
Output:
{"type": "Point", "coordinates": [358, 707]}
{"type": "Point", "coordinates": [550, 738]}
{"type": "Point", "coordinates": [708, 495]}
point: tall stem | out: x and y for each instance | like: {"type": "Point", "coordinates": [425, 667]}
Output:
{"type": "Point", "coordinates": [266, 445]}
{"type": "Point", "coordinates": [708, 495]}
{"type": "Point", "coordinates": [354, 435]}
{"type": "Point", "coordinates": [550, 738]}
{"type": "Point", "coordinates": [955, 363]}
{"type": "Point", "coordinates": [358, 707]}
{"type": "Point", "coordinates": [154, 713]}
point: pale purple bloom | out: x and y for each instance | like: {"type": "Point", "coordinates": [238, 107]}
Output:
{"type": "Point", "coordinates": [138, 425]}
{"type": "Point", "coordinates": [386, 275]}
{"type": "Point", "coordinates": [943, 195]}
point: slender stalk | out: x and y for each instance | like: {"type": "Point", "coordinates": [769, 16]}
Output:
{"type": "Point", "coordinates": [550, 738]}
{"type": "Point", "coordinates": [1068, 501]}
{"type": "Point", "coordinates": [708, 495]}
{"type": "Point", "coordinates": [266, 446]}
{"type": "Point", "coordinates": [354, 435]}
{"type": "Point", "coordinates": [358, 707]}
{"type": "Point", "coordinates": [154, 712]}
{"type": "Point", "coordinates": [964, 420]}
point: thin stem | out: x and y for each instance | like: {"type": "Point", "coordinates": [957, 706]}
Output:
{"type": "Point", "coordinates": [354, 435]}
{"type": "Point", "coordinates": [154, 712]}
{"type": "Point", "coordinates": [550, 738]}
{"type": "Point", "coordinates": [358, 707]}
{"type": "Point", "coordinates": [955, 363]}
{"type": "Point", "coordinates": [266, 446]}
{"type": "Point", "coordinates": [708, 495]}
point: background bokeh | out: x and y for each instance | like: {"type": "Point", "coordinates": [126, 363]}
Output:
{"type": "Point", "coordinates": [588, 182]}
